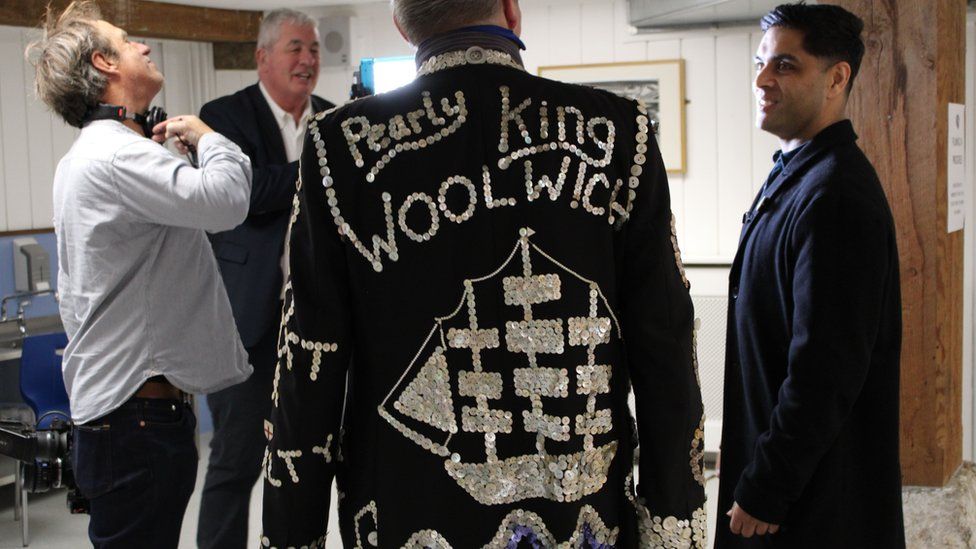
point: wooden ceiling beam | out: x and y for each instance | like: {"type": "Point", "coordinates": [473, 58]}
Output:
{"type": "Point", "coordinates": [148, 19]}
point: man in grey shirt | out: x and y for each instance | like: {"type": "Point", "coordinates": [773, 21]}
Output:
{"type": "Point", "coordinates": [147, 317]}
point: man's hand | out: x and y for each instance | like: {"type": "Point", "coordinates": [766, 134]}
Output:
{"type": "Point", "coordinates": [745, 525]}
{"type": "Point", "coordinates": [187, 129]}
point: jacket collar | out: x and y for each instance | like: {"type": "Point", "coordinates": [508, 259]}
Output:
{"type": "Point", "coordinates": [462, 39]}
{"type": "Point", "coordinates": [838, 133]}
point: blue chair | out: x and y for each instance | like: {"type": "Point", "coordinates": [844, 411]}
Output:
{"type": "Point", "coordinates": [42, 387]}
{"type": "Point", "coordinates": [41, 380]}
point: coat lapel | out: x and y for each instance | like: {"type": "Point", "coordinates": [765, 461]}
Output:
{"type": "Point", "coordinates": [839, 132]}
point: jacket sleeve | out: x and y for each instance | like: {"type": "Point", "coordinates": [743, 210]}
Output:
{"type": "Point", "coordinates": [657, 323]}
{"type": "Point", "coordinates": [272, 185]}
{"type": "Point", "coordinates": [156, 186]}
{"type": "Point", "coordinates": [309, 385]}
{"type": "Point", "coordinates": [842, 251]}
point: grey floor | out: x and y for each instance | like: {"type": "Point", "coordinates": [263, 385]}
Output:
{"type": "Point", "coordinates": [52, 527]}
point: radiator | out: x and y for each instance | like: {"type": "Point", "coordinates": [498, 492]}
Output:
{"type": "Point", "coordinates": [710, 316]}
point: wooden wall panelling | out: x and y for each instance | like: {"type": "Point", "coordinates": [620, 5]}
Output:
{"type": "Point", "coordinates": [733, 86]}
{"type": "Point", "coordinates": [154, 19]}
{"type": "Point", "coordinates": [16, 166]}
{"type": "Point", "coordinates": [968, 409]}
{"type": "Point", "coordinates": [701, 211]}
{"type": "Point", "coordinates": [234, 55]}
{"type": "Point", "coordinates": [913, 67]}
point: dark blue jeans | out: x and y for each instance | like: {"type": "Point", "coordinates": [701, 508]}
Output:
{"type": "Point", "coordinates": [137, 466]}
{"type": "Point", "coordinates": [236, 451]}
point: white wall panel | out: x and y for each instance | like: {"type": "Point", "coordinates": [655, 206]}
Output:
{"type": "Point", "coordinates": [41, 159]}
{"type": "Point", "coordinates": [734, 160]}
{"type": "Point", "coordinates": [700, 238]}
{"type": "Point", "coordinates": [707, 205]}
{"type": "Point", "coordinates": [764, 144]}
{"type": "Point", "coordinates": [175, 62]}
{"type": "Point", "coordinates": [626, 47]}
{"type": "Point", "coordinates": [159, 58]}
{"type": "Point", "coordinates": [663, 49]}
{"type": "Point", "coordinates": [229, 81]}
{"type": "Point", "coordinates": [33, 139]}
{"type": "Point", "coordinates": [565, 21]}
{"type": "Point", "coordinates": [596, 36]}
{"type": "Point", "coordinates": [16, 165]}
{"type": "Point", "coordinates": [3, 162]}
{"type": "Point", "coordinates": [535, 34]}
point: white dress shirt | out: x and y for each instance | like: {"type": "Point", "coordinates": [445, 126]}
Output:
{"type": "Point", "coordinates": [293, 137]}
{"type": "Point", "coordinates": [140, 291]}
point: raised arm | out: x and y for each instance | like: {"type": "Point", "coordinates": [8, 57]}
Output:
{"type": "Point", "coordinates": [157, 186]}
{"type": "Point", "coordinates": [273, 185]}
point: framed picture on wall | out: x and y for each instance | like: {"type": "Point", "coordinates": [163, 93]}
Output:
{"type": "Point", "coordinates": [660, 84]}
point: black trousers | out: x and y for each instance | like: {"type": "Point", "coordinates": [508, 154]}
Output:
{"type": "Point", "coordinates": [137, 466]}
{"type": "Point", "coordinates": [236, 451]}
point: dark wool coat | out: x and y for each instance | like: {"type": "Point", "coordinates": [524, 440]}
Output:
{"type": "Point", "coordinates": [810, 424]}
{"type": "Point", "coordinates": [489, 256]}
{"type": "Point", "coordinates": [249, 255]}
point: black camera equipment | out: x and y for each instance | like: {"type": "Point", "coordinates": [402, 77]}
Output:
{"type": "Point", "coordinates": [45, 458]}
{"type": "Point", "coordinates": [147, 121]}
{"type": "Point", "coordinates": [359, 88]}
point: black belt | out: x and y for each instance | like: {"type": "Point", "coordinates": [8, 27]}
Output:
{"type": "Point", "coordinates": [159, 387]}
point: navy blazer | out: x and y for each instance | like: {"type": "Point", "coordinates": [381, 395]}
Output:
{"type": "Point", "coordinates": [810, 424]}
{"type": "Point", "coordinates": [249, 256]}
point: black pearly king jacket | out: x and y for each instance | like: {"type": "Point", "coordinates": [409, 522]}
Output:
{"type": "Point", "coordinates": [489, 256]}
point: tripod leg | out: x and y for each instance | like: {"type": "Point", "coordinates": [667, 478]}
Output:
{"type": "Point", "coordinates": [18, 482]}
{"type": "Point", "coordinates": [25, 533]}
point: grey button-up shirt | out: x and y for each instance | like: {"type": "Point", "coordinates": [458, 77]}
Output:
{"type": "Point", "coordinates": [139, 286]}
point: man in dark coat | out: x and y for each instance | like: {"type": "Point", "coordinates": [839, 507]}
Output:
{"type": "Point", "coordinates": [810, 425]}
{"type": "Point", "coordinates": [489, 257]}
{"type": "Point", "coordinates": [267, 120]}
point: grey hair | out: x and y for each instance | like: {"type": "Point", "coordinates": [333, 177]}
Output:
{"type": "Point", "coordinates": [270, 29]}
{"type": "Point", "coordinates": [64, 77]}
{"type": "Point", "coordinates": [422, 19]}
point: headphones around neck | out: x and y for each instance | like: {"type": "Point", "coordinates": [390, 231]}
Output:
{"type": "Point", "coordinates": [147, 121]}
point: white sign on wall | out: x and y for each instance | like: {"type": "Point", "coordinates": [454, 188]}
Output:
{"type": "Point", "coordinates": [957, 167]}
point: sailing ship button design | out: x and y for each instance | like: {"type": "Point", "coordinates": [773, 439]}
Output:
{"type": "Point", "coordinates": [454, 372]}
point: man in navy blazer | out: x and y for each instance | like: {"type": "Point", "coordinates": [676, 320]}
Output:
{"type": "Point", "coordinates": [267, 120]}
{"type": "Point", "coordinates": [810, 424]}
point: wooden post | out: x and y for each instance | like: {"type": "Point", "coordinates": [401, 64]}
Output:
{"type": "Point", "coordinates": [914, 67]}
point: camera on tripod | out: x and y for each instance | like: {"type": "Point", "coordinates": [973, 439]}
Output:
{"type": "Point", "coordinates": [45, 458]}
